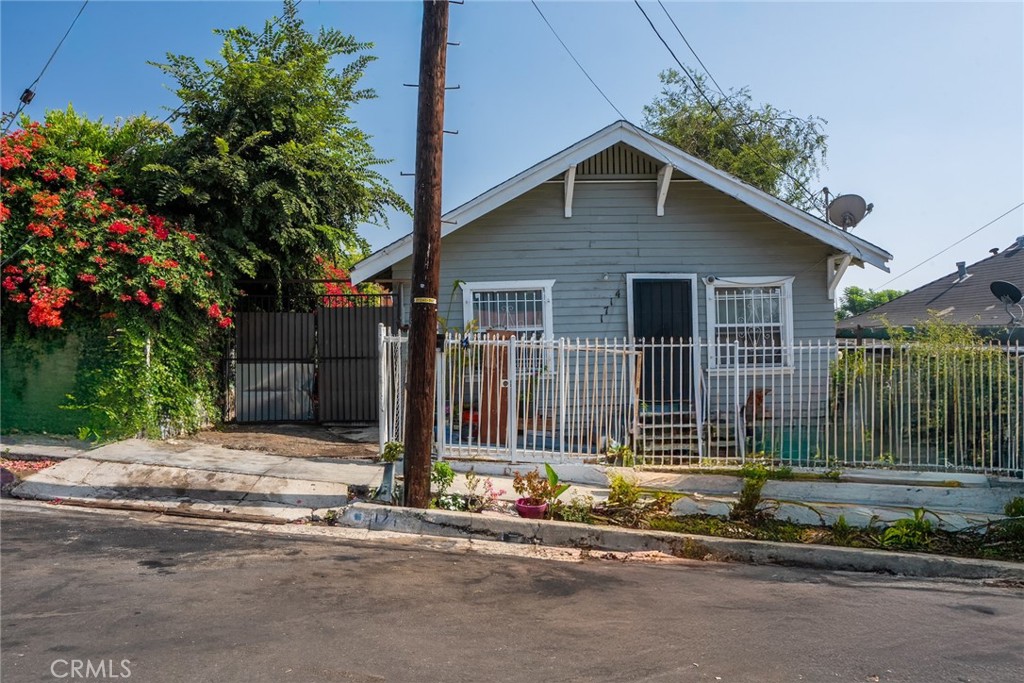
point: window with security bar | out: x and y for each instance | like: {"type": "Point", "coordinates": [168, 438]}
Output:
{"type": "Point", "coordinates": [750, 324]}
{"type": "Point", "coordinates": [521, 307]}
{"type": "Point", "coordinates": [520, 310]}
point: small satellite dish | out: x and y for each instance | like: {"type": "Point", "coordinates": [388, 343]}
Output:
{"type": "Point", "coordinates": [847, 210]}
{"type": "Point", "coordinates": [1006, 292]}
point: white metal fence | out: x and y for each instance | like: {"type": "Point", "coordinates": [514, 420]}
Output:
{"type": "Point", "coordinates": [816, 404]}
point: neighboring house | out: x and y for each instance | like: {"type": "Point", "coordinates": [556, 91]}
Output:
{"type": "Point", "coordinates": [961, 297]}
{"type": "Point", "coordinates": [623, 234]}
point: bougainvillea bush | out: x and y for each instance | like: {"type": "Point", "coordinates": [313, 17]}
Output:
{"type": "Point", "coordinates": [80, 257]}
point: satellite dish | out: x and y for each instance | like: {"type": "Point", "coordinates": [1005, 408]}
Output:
{"type": "Point", "coordinates": [1006, 292]}
{"type": "Point", "coordinates": [847, 210]}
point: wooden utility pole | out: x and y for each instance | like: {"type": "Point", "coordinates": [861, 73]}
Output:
{"type": "Point", "coordinates": [426, 247]}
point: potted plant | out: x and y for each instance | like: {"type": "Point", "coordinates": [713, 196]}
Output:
{"type": "Point", "coordinates": [537, 493]}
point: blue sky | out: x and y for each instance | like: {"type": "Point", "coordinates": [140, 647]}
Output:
{"type": "Point", "coordinates": [925, 101]}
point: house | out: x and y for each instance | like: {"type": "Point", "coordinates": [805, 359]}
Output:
{"type": "Point", "coordinates": [963, 297]}
{"type": "Point", "coordinates": [720, 287]}
{"type": "Point", "coordinates": [625, 235]}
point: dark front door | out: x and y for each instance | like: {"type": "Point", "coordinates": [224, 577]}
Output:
{"type": "Point", "coordinates": [663, 319]}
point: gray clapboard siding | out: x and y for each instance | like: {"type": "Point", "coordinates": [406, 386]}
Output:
{"type": "Point", "coordinates": [614, 231]}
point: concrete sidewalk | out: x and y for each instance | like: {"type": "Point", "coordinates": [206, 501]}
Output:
{"type": "Point", "coordinates": [250, 486]}
{"type": "Point", "coordinates": [200, 478]}
{"type": "Point", "coordinates": [188, 476]}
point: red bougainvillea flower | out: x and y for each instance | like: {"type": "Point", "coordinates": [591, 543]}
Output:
{"type": "Point", "coordinates": [12, 270]}
{"type": "Point", "coordinates": [214, 311]}
{"type": "Point", "coordinates": [119, 248]}
{"type": "Point", "coordinates": [69, 172]}
{"type": "Point", "coordinates": [46, 305]}
{"type": "Point", "coordinates": [224, 322]}
{"type": "Point", "coordinates": [117, 192]}
{"type": "Point", "coordinates": [81, 244]}
{"type": "Point", "coordinates": [146, 260]}
{"type": "Point", "coordinates": [203, 257]}
{"type": "Point", "coordinates": [120, 228]}
{"type": "Point", "coordinates": [48, 174]}
{"type": "Point", "coordinates": [157, 306]}
{"type": "Point", "coordinates": [158, 283]}
{"type": "Point", "coordinates": [40, 229]}
{"type": "Point", "coordinates": [125, 297]}
{"type": "Point", "coordinates": [11, 282]}
{"type": "Point", "coordinates": [97, 168]}
{"type": "Point", "coordinates": [88, 278]}
{"type": "Point", "coordinates": [46, 204]}
{"type": "Point", "coordinates": [170, 263]}
{"type": "Point", "coordinates": [5, 213]}
{"type": "Point", "coordinates": [142, 298]}
{"type": "Point", "coordinates": [18, 298]}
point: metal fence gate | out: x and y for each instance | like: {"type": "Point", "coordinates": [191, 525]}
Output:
{"type": "Point", "coordinates": [315, 365]}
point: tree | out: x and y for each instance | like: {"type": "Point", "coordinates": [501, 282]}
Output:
{"type": "Point", "coordinates": [856, 300]}
{"type": "Point", "coordinates": [82, 260]}
{"type": "Point", "coordinates": [269, 162]}
{"type": "Point", "coordinates": [771, 149]}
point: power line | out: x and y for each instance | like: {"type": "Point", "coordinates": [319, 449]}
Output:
{"type": "Point", "coordinates": [813, 197]}
{"type": "Point", "coordinates": [692, 51]}
{"type": "Point", "coordinates": [962, 239]}
{"type": "Point", "coordinates": [29, 93]}
{"type": "Point", "coordinates": [569, 52]}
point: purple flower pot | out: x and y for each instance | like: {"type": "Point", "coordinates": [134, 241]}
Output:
{"type": "Point", "coordinates": [530, 511]}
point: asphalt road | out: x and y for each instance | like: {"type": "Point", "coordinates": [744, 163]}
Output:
{"type": "Point", "coordinates": [187, 603]}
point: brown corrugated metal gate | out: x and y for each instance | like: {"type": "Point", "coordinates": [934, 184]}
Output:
{"type": "Point", "coordinates": [311, 366]}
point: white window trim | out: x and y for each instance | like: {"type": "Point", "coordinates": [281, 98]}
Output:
{"type": "Point", "coordinates": [469, 288]}
{"type": "Point", "coordinates": [787, 318]}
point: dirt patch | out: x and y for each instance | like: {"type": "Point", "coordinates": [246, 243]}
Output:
{"type": "Point", "coordinates": [301, 441]}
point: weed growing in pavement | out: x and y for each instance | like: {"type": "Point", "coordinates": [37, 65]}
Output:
{"type": "Point", "coordinates": [620, 454]}
{"type": "Point", "coordinates": [1015, 508]}
{"type": "Point", "coordinates": [393, 450]}
{"type": "Point", "coordinates": [578, 509]}
{"type": "Point", "coordinates": [842, 532]}
{"type": "Point", "coordinates": [909, 534]}
{"type": "Point", "coordinates": [442, 476]}
{"type": "Point", "coordinates": [623, 492]}
{"type": "Point", "coordinates": [627, 505]}
{"type": "Point", "coordinates": [747, 506]}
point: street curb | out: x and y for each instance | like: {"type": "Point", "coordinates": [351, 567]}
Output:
{"type": "Point", "coordinates": [691, 546]}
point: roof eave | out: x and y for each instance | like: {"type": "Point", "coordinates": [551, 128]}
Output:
{"type": "Point", "coordinates": [623, 131]}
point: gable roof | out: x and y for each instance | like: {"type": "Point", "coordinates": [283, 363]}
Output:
{"type": "Point", "coordinates": [624, 132]}
{"type": "Point", "coordinates": [968, 301]}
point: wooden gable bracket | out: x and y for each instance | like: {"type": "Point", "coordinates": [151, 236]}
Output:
{"type": "Point", "coordinates": [837, 266]}
{"type": "Point", "coordinates": [570, 184]}
{"type": "Point", "coordinates": [664, 180]}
